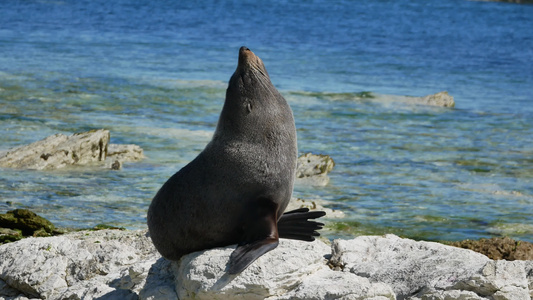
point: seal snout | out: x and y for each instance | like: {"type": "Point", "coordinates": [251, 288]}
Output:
{"type": "Point", "coordinates": [245, 56]}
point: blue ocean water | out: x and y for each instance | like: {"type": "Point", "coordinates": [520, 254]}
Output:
{"type": "Point", "coordinates": [155, 73]}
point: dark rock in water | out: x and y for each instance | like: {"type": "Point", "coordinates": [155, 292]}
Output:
{"type": "Point", "coordinates": [116, 165]}
{"type": "Point", "coordinates": [499, 248]}
{"type": "Point", "coordinates": [28, 222]}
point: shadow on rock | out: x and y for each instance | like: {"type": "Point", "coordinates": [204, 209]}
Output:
{"type": "Point", "coordinates": [160, 282]}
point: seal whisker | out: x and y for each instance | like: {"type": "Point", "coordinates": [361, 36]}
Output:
{"type": "Point", "coordinates": [262, 83]}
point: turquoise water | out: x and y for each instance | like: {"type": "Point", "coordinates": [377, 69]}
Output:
{"type": "Point", "coordinates": [154, 73]}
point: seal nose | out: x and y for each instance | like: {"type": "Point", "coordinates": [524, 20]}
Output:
{"type": "Point", "coordinates": [244, 55]}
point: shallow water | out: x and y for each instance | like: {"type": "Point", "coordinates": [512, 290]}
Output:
{"type": "Point", "coordinates": [155, 74]}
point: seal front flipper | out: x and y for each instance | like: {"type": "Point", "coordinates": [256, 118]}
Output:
{"type": "Point", "coordinates": [295, 224]}
{"type": "Point", "coordinates": [260, 236]}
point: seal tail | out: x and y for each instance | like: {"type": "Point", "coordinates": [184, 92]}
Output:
{"type": "Point", "coordinates": [295, 224]}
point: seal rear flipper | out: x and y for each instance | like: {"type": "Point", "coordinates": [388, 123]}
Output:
{"type": "Point", "coordinates": [260, 235]}
{"type": "Point", "coordinates": [295, 224]}
{"type": "Point", "coordinates": [246, 254]}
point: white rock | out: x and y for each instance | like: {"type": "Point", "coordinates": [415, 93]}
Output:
{"type": "Point", "coordinates": [159, 284]}
{"type": "Point", "coordinates": [420, 269]}
{"type": "Point", "coordinates": [81, 265]}
{"type": "Point", "coordinates": [9, 293]}
{"type": "Point", "coordinates": [439, 99]}
{"type": "Point", "coordinates": [117, 154]}
{"type": "Point", "coordinates": [201, 275]}
{"type": "Point", "coordinates": [128, 152]}
{"type": "Point", "coordinates": [329, 284]}
{"type": "Point", "coordinates": [407, 265]}
{"type": "Point", "coordinates": [58, 151]}
{"type": "Point", "coordinates": [500, 280]}
{"type": "Point", "coordinates": [442, 99]}
{"type": "Point", "coordinates": [447, 295]}
{"type": "Point", "coordinates": [313, 169]}
{"type": "Point", "coordinates": [113, 264]}
{"type": "Point", "coordinates": [529, 271]}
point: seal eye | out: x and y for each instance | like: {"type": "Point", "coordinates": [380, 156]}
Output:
{"type": "Point", "coordinates": [249, 107]}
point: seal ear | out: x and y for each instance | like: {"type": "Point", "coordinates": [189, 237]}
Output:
{"type": "Point", "coordinates": [260, 236]}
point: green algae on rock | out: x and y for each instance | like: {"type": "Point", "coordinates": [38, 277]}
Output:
{"type": "Point", "coordinates": [26, 223]}
{"type": "Point", "coordinates": [9, 235]}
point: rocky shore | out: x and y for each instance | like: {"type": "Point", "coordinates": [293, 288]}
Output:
{"type": "Point", "coordinates": [38, 261]}
{"type": "Point", "coordinates": [115, 264]}
{"type": "Point", "coordinates": [123, 264]}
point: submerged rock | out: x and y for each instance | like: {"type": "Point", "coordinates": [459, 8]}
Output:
{"type": "Point", "coordinates": [442, 99]}
{"type": "Point", "coordinates": [313, 168]}
{"type": "Point", "coordinates": [111, 264]}
{"type": "Point", "coordinates": [317, 204]}
{"type": "Point", "coordinates": [116, 165]}
{"type": "Point", "coordinates": [59, 150]}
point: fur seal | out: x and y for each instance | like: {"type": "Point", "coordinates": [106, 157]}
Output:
{"type": "Point", "coordinates": [236, 190]}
